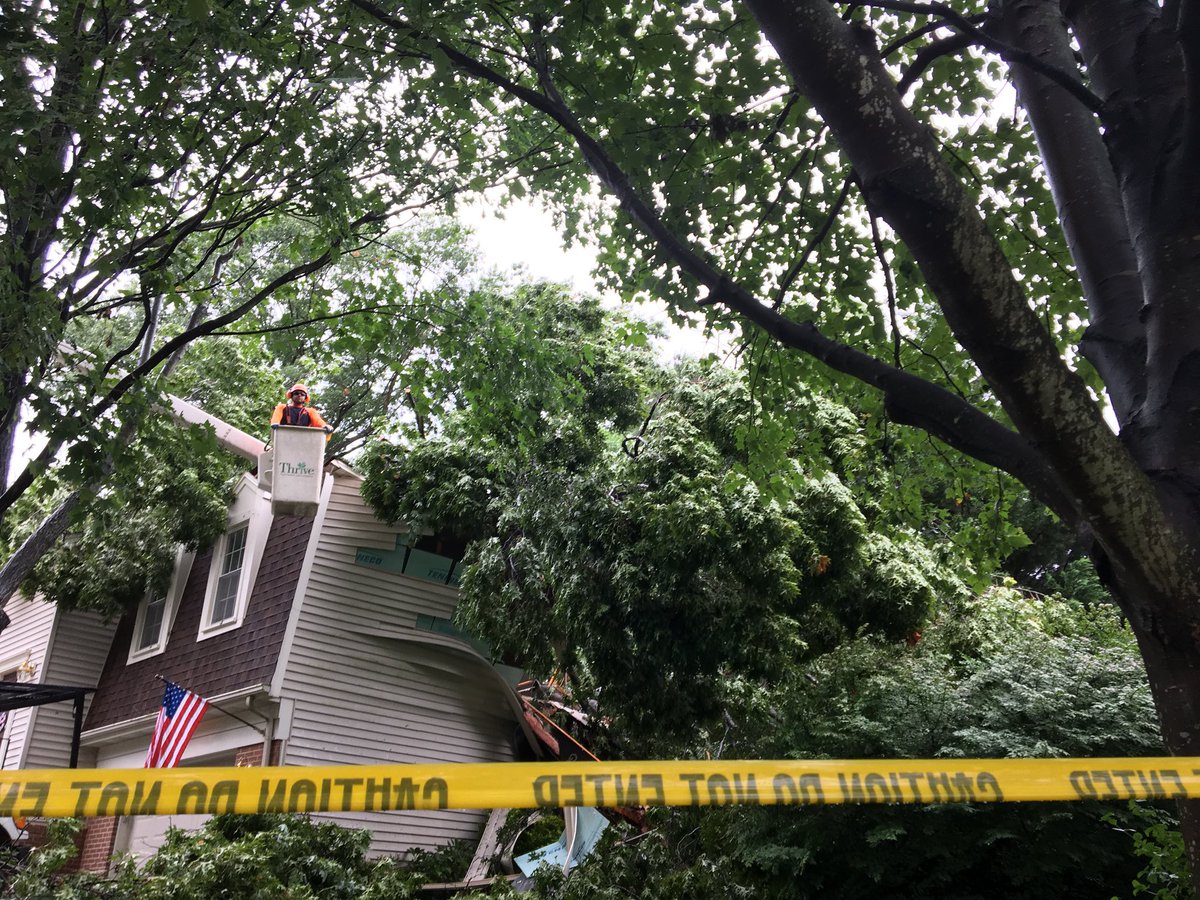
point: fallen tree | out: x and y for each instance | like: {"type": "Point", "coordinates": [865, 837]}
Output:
{"type": "Point", "coordinates": [780, 165]}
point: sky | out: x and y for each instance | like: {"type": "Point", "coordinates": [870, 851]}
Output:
{"type": "Point", "coordinates": [525, 235]}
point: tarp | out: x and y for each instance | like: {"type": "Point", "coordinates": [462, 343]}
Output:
{"type": "Point", "coordinates": [583, 829]}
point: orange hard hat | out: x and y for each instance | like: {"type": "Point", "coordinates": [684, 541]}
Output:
{"type": "Point", "coordinates": [297, 387]}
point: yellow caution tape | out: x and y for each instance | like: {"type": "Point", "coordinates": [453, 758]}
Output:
{"type": "Point", "coordinates": [120, 792]}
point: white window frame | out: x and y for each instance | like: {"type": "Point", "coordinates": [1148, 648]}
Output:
{"type": "Point", "coordinates": [231, 569]}
{"type": "Point", "coordinates": [251, 510]}
{"type": "Point", "coordinates": [174, 593]}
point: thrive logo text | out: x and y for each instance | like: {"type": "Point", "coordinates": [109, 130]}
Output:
{"type": "Point", "coordinates": [301, 470]}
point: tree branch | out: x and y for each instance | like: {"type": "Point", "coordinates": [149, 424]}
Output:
{"type": "Point", "coordinates": [937, 362]}
{"type": "Point", "coordinates": [1088, 201]}
{"type": "Point", "coordinates": [877, 242]}
{"type": "Point", "coordinates": [930, 54]}
{"type": "Point", "coordinates": [18, 566]}
{"type": "Point", "coordinates": [21, 563]}
{"type": "Point", "coordinates": [919, 33]}
{"type": "Point", "coordinates": [303, 323]}
{"type": "Point", "coordinates": [910, 399]}
{"type": "Point", "coordinates": [774, 203]}
{"type": "Point", "coordinates": [813, 242]}
{"type": "Point", "coordinates": [165, 352]}
{"type": "Point", "coordinates": [1008, 53]}
{"type": "Point", "coordinates": [906, 178]}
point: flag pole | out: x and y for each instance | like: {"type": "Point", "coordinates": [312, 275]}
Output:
{"type": "Point", "coordinates": [213, 705]}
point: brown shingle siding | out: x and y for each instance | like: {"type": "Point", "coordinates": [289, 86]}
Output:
{"type": "Point", "coordinates": [239, 658]}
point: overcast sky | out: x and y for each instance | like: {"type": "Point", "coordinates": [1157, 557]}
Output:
{"type": "Point", "coordinates": [526, 236]}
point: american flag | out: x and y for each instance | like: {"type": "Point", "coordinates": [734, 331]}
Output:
{"type": "Point", "coordinates": [181, 712]}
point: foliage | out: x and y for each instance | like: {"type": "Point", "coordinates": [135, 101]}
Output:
{"type": "Point", "coordinates": [363, 334]}
{"type": "Point", "coordinates": [36, 877]}
{"type": "Point", "coordinates": [145, 146]}
{"type": "Point", "coordinates": [1157, 840]}
{"type": "Point", "coordinates": [781, 188]}
{"type": "Point", "coordinates": [394, 336]}
{"type": "Point", "coordinates": [447, 863]}
{"type": "Point", "coordinates": [1004, 675]}
{"type": "Point", "coordinates": [1001, 676]}
{"type": "Point", "coordinates": [653, 564]}
{"type": "Point", "coordinates": [541, 833]}
{"type": "Point", "coordinates": [243, 857]}
{"type": "Point", "coordinates": [166, 168]}
{"type": "Point", "coordinates": [169, 489]}
{"type": "Point", "coordinates": [260, 856]}
{"type": "Point", "coordinates": [843, 177]}
{"type": "Point", "coordinates": [741, 173]}
{"type": "Point", "coordinates": [251, 857]}
{"type": "Point", "coordinates": [364, 325]}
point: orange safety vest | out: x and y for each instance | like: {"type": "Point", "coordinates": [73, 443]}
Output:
{"type": "Point", "coordinates": [290, 414]}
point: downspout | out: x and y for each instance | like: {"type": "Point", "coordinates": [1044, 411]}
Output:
{"type": "Point", "coordinates": [268, 734]}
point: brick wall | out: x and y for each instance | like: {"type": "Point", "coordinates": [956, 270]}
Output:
{"type": "Point", "coordinates": [98, 838]}
{"type": "Point", "coordinates": [251, 754]}
{"type": "Point", "coordinates": [37, 835]}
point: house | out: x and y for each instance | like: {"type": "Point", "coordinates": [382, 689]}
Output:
{"type": "Point", "coordinates": [44, 645]}
{"type": "Point", "coordinates": [322, 640]}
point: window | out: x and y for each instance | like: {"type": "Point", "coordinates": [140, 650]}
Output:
{"type": "Point", "coordinates": [224, 605]}
{"type": "Point", "coordinates": [156, 613]}
{"type": "Point", "coordinates": [152, 620]}
{"type": "Point", "coordinates": [235, 561]}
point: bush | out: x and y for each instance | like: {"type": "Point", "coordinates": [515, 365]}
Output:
{"type": "Point", "coordinates": [1002, 675]}
{"type": "Point", "coordinates": [234, 857]}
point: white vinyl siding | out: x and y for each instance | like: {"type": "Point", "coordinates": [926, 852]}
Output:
{"type": "Point", "coordinates": [369, 687]}
{"type": "Point", "coordinates": [24, 642]}
{"type": "Point", "coordinates": [78, 649]}
{"type": "Point", "coordinates": [66, 649]}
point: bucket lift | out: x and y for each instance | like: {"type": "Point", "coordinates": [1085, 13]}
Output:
{"type": "Point", "coordinates": [292, 470]}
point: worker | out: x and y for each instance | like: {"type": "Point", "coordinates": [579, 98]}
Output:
{"type": "Point", "coordinates": [296, 410]}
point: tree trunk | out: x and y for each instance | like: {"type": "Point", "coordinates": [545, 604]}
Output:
{"type": "Point", "coordinates": [18, 566]}
{"type": "Point", "coordinates": [1088, 201]}
{"type": "Point", "coordinates": [1137, 496]}
{"type": "Point", "coordinates": [1173, 667]}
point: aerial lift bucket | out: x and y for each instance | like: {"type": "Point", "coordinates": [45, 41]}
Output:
{"type": "Point", "coordinates": [294, 470]}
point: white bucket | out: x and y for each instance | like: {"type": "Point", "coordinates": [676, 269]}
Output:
{"type": "Point", "coordinates": [297, 469]}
